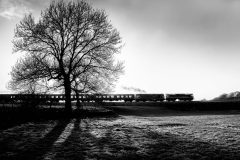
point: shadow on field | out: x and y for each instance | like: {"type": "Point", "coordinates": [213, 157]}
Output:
{"type": "Point", "coordinates": [89, 140]}
{"type": "Point", "coordinates": [76, 145]}
{"type": "Point", "coordinates": [38, 149]}
{"type": "Point", "coordinates": [119, 142]}
{"type": "Point", "coordinates": [82, 144]}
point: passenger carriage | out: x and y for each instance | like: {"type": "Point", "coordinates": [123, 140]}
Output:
{"type": "Point", "coordinates": [149, 97]}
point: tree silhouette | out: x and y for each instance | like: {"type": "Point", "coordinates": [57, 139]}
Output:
{"type": "Point", "coordinates": [70, 48]}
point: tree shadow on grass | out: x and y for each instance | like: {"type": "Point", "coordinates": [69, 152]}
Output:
{"type": "Point", "coordinates": [74, 147]}
{"type": "Point", "coordinates": [82, 144]}
{"type": "Point", "coordinates": [41, 147]}
{"type": "Point", "coordinates": [120, 142]}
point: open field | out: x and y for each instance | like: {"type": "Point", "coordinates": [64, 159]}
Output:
{"type": "Point", "coordinates": [140, 132]}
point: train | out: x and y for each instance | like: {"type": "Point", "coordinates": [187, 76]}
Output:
{"type": "Point", "coordinates": [7, 98]}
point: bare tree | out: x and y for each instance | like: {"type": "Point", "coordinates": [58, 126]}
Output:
{"type": "Point", "coordinates": [72, 46]}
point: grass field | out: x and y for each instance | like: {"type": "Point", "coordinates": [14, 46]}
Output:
{"type": "Point", "coordinates": [145, 132]}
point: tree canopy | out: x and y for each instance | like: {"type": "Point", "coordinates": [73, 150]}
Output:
{"type": "Point", "coordinates": [70, 48]}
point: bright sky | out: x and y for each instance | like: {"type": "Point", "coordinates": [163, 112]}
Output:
{"type": "Point", "coordinates": [170, 46]}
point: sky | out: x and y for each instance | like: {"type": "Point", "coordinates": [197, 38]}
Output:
{"type": "Point", "coordinates": [170, 46]}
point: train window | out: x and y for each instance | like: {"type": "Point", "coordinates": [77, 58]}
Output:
{"type": "Point", "coordinates": [112, 96]}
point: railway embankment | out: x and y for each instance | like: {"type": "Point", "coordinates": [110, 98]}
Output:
{"type": "Point", "coordinates": [175, 108]}
{"type": "Point", "coordinates": [182, 105]}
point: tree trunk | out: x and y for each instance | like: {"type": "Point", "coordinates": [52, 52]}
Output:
{"type": "Point", "coordinates": [68, 105]}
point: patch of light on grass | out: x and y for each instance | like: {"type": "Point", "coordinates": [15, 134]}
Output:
{"type": "Point", "coordinates": [84, 123]}
{"type": "Point", "coordinates": [98, 133]}
{"type": "Point", "coordinates": [65, 134]}
{"type": "Point", "coordinates": [61, 139]}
